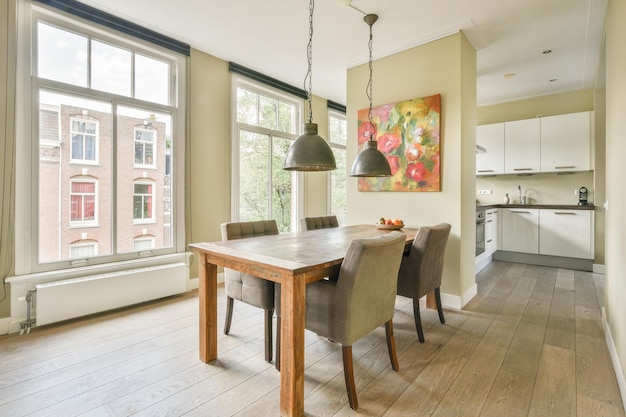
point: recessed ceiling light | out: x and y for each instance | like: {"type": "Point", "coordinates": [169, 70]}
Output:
{"type": "Point", "coordinates": [552, 80]}
{"type": "Point", "coordinates": [510, 75]}
{"type": "Point", "coordinates": [547, 51]}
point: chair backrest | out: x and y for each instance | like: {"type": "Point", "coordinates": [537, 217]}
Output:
{"type": "Point", "coordinates": [322, 222]}
{"type": "Point", "coordinates": [421, 270]}
{"type": "Point", "coordinates": [241, 230]}
{"type": "Point", "coordinates": [366, 286]}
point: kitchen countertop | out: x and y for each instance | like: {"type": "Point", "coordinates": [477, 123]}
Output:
{"type": "Point", "coordinates": [537, 206]}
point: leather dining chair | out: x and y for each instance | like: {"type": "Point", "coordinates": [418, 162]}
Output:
{"type": "Point", "coordinates": [421, 270]}
{"type": "Point", "coordinates": [249, 289]}
{"type": "Point", "coordinates": [362, 299]}
{"type": "Point", "coordinates": [321, 222]}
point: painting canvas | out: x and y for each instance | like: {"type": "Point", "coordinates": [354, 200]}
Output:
{"type": "Point", "coordinates": [408, 134]}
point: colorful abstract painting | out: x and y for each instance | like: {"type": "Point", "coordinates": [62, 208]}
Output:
{"type": "Point", "coordinates": [408, 134]}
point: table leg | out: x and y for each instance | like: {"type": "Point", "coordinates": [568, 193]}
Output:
{"type": "Point", "coordinates": [293, 311]}
{"type": "Point", "coordinates": [430, 300]}
{"type": "Point", "coordinates": [207, 297]}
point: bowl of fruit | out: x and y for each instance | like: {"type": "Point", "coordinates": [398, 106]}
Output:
{"type": "Point", "coordinates": [390, 224]}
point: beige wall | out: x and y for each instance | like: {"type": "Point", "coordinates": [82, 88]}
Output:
{"type": "Point", "coordinates": [316, 183]}
{"type": "Point", "coordinates": [550, 105]}
{"type": "Point", "coordinates": [7, 94]}
{"type": "Point", "coordinates": [615, 190]}
{"type": "Point", "coordinates": [447, 67]}
{"type": "Point", "coordinates": [208, 150]}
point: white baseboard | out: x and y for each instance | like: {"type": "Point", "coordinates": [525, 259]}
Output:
{"type": "Point", "coordinates": [4, 326]}
{"type": "Point", "coordinates": [598, 268]}
{"type": "Point", "coordinates": [454, 301]}
{"type": "Point", "coordinates": [617, 367]}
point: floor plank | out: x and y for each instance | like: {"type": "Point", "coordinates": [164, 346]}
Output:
{"type": "Point", "coordinates": [530, 343]}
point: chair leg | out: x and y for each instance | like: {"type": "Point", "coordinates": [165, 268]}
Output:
{"type": "Point", "coordinates": [418, 319]}
{"type": "Point", "coordinates": [439, 306]}
{"type": "Point", "coordinates": [278, 343]}
{"type": "Point", "coordinates": [348, 373]}
{"type": "Point", "coordinates": [229, 314]}
{"type": "Point", "coordinates": [391, 345]}
{"type": "Point", "coordinates": [269, 314]}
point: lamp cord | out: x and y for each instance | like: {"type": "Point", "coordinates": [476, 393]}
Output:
{"type": "Point", "coordinates": [309, 54]}
{"type": "Point", "coordinates": [368, 90]}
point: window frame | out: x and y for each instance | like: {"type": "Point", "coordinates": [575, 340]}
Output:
{"type": "Point", "coordinates": [96, 136]}
{"type": "Point", "coordinates": [27, 107]}
{"type": "Point", "coordinates": [143, 142]}
{"type": "Point", "coordinates": [152, 196]}
{"type": "Point", "coordinates": [336, 146]}
{"type": "Point", "coordinates": [84, 223]}
{"type": "Point", "coordinates": [239, 81]}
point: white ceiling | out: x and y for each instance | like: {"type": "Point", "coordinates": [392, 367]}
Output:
{"type": "Point", "coordinates": [270, 36]}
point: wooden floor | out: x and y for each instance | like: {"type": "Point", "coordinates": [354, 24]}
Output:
{"type": "Point", "coordinates": [529, 344]}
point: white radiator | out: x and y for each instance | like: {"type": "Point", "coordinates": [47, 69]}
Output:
{"type": "Point", "coordinates": [70, 298]}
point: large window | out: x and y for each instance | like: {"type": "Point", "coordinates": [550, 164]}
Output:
{"type": "Point", "coordinates": [266, 125]}
{"type": "Point", "coordinates": [106, 132]}
{"type": "Point", "coordinates": [337, 189]}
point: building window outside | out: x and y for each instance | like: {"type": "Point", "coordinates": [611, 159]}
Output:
{"type": "Point", "coordinates": [142, 202]}
{"type": "Point", "coordinates": [84, 134]}
{"type": "Point", "coordinates": [266, 125]}
{"type": "Point", "coordinates": [337, 136]}
{"type": "Point", "coordinates": [83, 203]}
{"type": "Point", "coordinates": [83, 250]}
{"type": "Point", "coordinates": [145, 140]}
{"type": "Point", "coordinates": [106, 109]}
{"type": "Point", "coordinates": [143, 243]}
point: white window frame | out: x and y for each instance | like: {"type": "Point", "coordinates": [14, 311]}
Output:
{"type": "Point", "coordinates": [142, 240]}
{"type": "Point", "coordinates": [238, 81]}
{"type": "Point", "coordinates": [145, 220]}
{"type": "Point", "coordinates": [334, 145]}
{"type": "Point", "coordinates": [84, 245]}
{"type": "Point", "coordinates": [84, 223]}
{"type": "Point", "coordinates": [26, 109]}
{"type": "Point", "coordinates": [143, 142]}
{"type": "Point", "coordinates": [96, 137]}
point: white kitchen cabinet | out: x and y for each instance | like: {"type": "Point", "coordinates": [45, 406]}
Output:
{"type": "Point", "coordinates": [520, 230]}
{"type": "Point", "coordinates": [522, 142]}
{"type": "Point", "coordinates": [566, 142]}
{"type": "Point", "coordinates": [566, 233]}
{"type": "Point", "coordinates": [490, 156]}
{"type": "Point", "coordinates": [492, 231]}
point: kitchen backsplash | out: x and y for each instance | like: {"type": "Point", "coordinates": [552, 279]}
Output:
{"type": "Point", "coordinates": [537, 188]}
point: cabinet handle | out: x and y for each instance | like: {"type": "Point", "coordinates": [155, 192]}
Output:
{"type": "Point", "coordinates": [485, 170]}
{"type": "Point", "coordinates": [521, 212]}
{"type": "Point", "coordinates": [489, 241]}
{"type": "Point", "coordinates": [566, 167]}
{"type": "Point", "coordinates": [522, 169]}
{"type": "Point", "coordinates": [565, 212]}
{"type": "Point", "coordinates": [489, 221]}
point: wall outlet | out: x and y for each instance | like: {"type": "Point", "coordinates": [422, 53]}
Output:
{"type": "Point", "coordinates": [576, 191]}
{"type": "Point", "coordinates": [484, 192]}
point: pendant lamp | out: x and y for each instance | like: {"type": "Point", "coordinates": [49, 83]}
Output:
{"type": "Point", "coordinates": [310, 152]}
{"type": "Point", "coordinates": [370, 162]}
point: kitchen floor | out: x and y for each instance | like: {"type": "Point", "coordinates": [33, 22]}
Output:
{"type": "Point", "coordinates": [529, 344]}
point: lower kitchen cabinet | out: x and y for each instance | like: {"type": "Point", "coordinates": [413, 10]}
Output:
{"type": "Point", "coordinates": [566, 233]}
{"type": "Point", "coordinates": [492, 231]}
{"type": "Point", "coordinates": [520, 230]}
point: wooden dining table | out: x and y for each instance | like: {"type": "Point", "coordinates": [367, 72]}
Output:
{"type": "Point", "coordinates": [291, 260]}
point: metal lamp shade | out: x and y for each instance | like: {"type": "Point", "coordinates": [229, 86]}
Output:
{"type": "Point", "coordinates": [310, 152]}
{"type": "Point", "coordinates": [371, 162]}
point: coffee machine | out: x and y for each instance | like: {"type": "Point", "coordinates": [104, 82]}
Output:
{"type": "Point", "coordinates": [582, 196]}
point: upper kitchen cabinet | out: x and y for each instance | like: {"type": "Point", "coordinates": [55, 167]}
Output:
{"type": "Point", "coordinates": [522, 142]}
{"type": "Point", "coordinates": [566, 143]}
{"type": "Point", "coordinates": [490, 149]}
